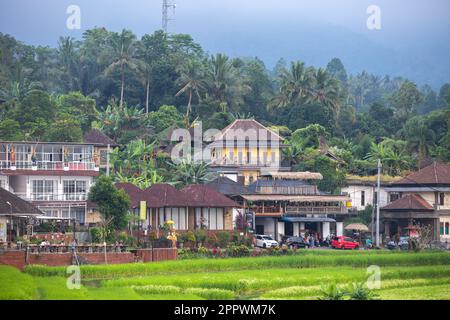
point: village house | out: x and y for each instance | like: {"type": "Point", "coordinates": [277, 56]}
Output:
{"type": "Point", "coordinates": [54, 176]}
{"type": "Point", "coordinates": [290, 204]}
{"type": "Point", "coordinates": [423, 197]}
{"type": "Point", "coordinates": [363, 190]}
{"type": "Point", "coordinates": [194, 207]}
{"type": "Point", "coordinates": [245, 150]}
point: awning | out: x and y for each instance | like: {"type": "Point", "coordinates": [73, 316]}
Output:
{"type": "Point", "coordinates": [303, 219]}
{"type": "Point", "coordinates": [294, 198]}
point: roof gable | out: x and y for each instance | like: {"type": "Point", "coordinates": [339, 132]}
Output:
{"type": "Point", "coordinates": [95, 136]}
{"type": "Point", "coordinates": [246, 126]}
{"type": "Point", "coordinates": [206, 196]}
{"type": "Point", "coordinates": [436, 174]}
{"type": "Point", "coordinates": [409, 202]}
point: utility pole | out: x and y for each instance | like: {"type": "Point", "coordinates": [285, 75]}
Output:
{"type": "Point", "coordinates": [378, 203]}
{"type": "Point", "coordinates": [167, 4]}
{"type": "Point", "coordinates": [107, 159]}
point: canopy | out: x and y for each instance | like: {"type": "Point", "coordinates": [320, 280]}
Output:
{"type": "Point", "coordinates": [357, 227]}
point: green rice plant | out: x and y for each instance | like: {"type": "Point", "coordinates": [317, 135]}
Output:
{"type": "Point", "coordinates": [331, 292]}
{"type": "Point", "coordinates": [358, 291]}
{"type": "Point", "coordinates": [112, 294]}
{"type": "Point", "coordinates": [55, 288]}
{"type": "Point", "coordinates": [211, 294]}
{"type": "Point", "coordinates": [15, 285]}
{"type": "Point", "coordinates": [156, 289]}
{"type": "Point", "coordinates": [252, 263]}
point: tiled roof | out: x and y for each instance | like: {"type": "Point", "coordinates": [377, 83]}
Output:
{"type": "Point", "coordinates": [137, 195]}
{"type": "Point", "coordinates": [409, 202]}
{"type": "Point", "coordinates": [247, 125]}
{"type": "Point", "coordinates": [95, 136]}
{"type": "Point", "coordinates": [167, 196]}
{"type": "Point", "coordinates": [206, 196]}
{"type": "Point", "coordinates": [227, 186]}
{"type": "Point", "coordinates": [438, 173]}
{"type": "Point", "coordinates": [70, 173]}
{"type": "Point", "coordinates": [18, 205]}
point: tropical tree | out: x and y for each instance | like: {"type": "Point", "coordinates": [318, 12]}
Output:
{"type": "Point", "coordinates": [420, 137]}
{"type": "Point", "coordinates": [188, 172]}
{"type": "Point", "coordinates": [191, 80]}
{"type": "Point", "coordinates": [123, 52]}
{"type": "Point", "coordinates": [325, 90]}
{"type": "Point", "coordinates": [295, 85]}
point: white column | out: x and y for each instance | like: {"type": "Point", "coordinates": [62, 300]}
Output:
{"type": "Point", "coordinates": [302, 226]}
{"type": "Point", "coordinates": [281, 228]}
{"type": "Point", "coordinates": [295, 229]}
{"type": "Point", "coordinates": [339, 228]}
{"type": "Point", "coordinates": [325, 229]}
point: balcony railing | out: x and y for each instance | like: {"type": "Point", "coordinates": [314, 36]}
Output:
{"type": "Point", "coordinates": [317, 210]}
{"type": "Point", "coordinates": [47, 165]}
{"type": "Point", "coordinates": [55, 197]}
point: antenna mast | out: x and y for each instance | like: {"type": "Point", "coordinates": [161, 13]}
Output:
{"type": "Point", "coordinates": [167, 4]}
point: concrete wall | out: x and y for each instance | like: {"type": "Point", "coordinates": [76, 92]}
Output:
{"type": "Point", "coordinates": [355, 193]}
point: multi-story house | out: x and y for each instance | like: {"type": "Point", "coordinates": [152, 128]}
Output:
{"type": "Point", "coordinates": [245, 150]}
{"type": "Point", "coordinates": [423, 197]}
{"type": "Point", "coordinates": [363, 190]}
{"type": "Point", "coordinates": [55, 177]}
{"type": "Point", "coordinates": [290, 204]}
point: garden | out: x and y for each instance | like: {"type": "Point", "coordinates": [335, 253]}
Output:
{"type": "Point", "coordinates": [306, 274]}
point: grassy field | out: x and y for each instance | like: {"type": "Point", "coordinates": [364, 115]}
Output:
{"type": "Point", "coordinates": [403, 276]}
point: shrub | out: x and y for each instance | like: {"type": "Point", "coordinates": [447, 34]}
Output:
{"type": "Point", "coordinates": [223, 238]}
{"type": "Point", "coordinates": [211, 240]}
{"type": "Point", "coordinates": [238, 251]}
{"type": "Point", "coordinates": [96, 235]}
{"type": "Point", "coordinates": [331, 292]}
{"type": "Point", "coordinates": [200, 236]}
{"type": "Point", "coordinates": [357, 291]}
{"type": "Point", "coordinates": [190, 237]}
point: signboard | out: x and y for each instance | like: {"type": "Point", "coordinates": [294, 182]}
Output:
{"type": "Point", "coordinates": [143, 211]}
{"type": "Point", "coordinates": [3, 230]}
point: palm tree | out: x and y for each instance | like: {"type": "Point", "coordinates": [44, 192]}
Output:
{"type": "Point", "coordinates": [123, 50]}
{"type": "Point", "coordinates": [219, 75]}
{"type": "Point", "coordinates": [188, 172]}
{"type": "Point", "coordinates": [295, 85]}
{"type": "Point", "coordinates": [420, 138]}
{"type": "Point", "coordinates": [68, 59]}
{"type": "Point", "coordinates": [191, 79]}
{"type": "Point", "coordinates": [325, 89]}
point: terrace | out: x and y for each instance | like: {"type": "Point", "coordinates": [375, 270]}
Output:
{"type": "Point", "coordinates": [47, 156]}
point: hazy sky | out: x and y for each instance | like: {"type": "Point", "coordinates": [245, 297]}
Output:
{"type": "Point", "coordinates": [269, 29]}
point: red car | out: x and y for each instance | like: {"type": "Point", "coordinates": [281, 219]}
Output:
{"type": "Point", "coordinates": [342, 242]}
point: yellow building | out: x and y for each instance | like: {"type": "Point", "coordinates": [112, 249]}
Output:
{"type": "Point", "coordinates": [245, 150]}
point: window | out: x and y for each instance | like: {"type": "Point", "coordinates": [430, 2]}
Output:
{"type": "Point", "coordinates": [363, 198]}
{"type": "Point", "coordinates": [441, 229]}
{"type": "Point", "coordinates": [177, 215]}
{"type": "Point", "coordinates": [447, 227]}
{"type": "Point", "coordinates": [441, 199]}
{"type": "Point", "coordinates": [394, 197]}
{"type": "Point", "coordinates": [74, 190]}
{"type": "Point", "coordinates": [42, 190]}
{"type": "Point", "coordinates": [211, 218]}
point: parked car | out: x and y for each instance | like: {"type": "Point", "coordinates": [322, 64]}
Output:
{"type": "Point", "coordinates": [263, 241]}
{"type": "Point", "coordinates": [342, 242]}
{"type": "Point", "coordinates": [294, 242]}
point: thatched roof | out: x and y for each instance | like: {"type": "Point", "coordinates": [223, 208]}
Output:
{"type": "Point", "coordinates": [296, 175]}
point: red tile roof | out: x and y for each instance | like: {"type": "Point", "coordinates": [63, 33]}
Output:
{"type": "Point", "coordinates": [246, 125]}
{"type": "Point", "coordinates": [409, 202]}
{"type": "Point", "coordinates": [206, 196]}
{"type": "Point", "coordinates": [70, 173]}
{"type": "Point", "coordinates": [95, 136]}
{"type": "Point", "coordinates": [167, 196]}
{"type": "Point", "coordinates": [438, 173]}
{"type": "Point", "coordinates": [137, 195]}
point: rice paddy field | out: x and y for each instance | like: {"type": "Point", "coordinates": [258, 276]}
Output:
{"type": "Point", "coordinates": [404, 276]}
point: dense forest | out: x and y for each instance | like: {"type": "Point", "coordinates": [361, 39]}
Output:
{"type": "Point", "coordinates": [134, 89]}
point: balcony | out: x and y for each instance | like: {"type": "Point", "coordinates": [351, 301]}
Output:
{"type": "Point", "coordinates": [48, 165]}
{"type": "Point", "coordinates": [55, 197]}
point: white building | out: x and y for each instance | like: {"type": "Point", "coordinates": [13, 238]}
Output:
{"type": "Point", "coordinates": [363, 191]}
{"type": "Point", "coordinates": [55, 177]}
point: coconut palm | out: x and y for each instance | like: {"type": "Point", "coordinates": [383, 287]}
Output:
{"type": "Point", "coordinates": [123, 51]}
{"type": "Point", "coordinates": [191, 80]}
{"type": "Point", "coordinates": [188, 172]}
{"type": "Point", "coordinates": [325, 89]}
{"type": "Point", "coordinates": [295, 85]}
